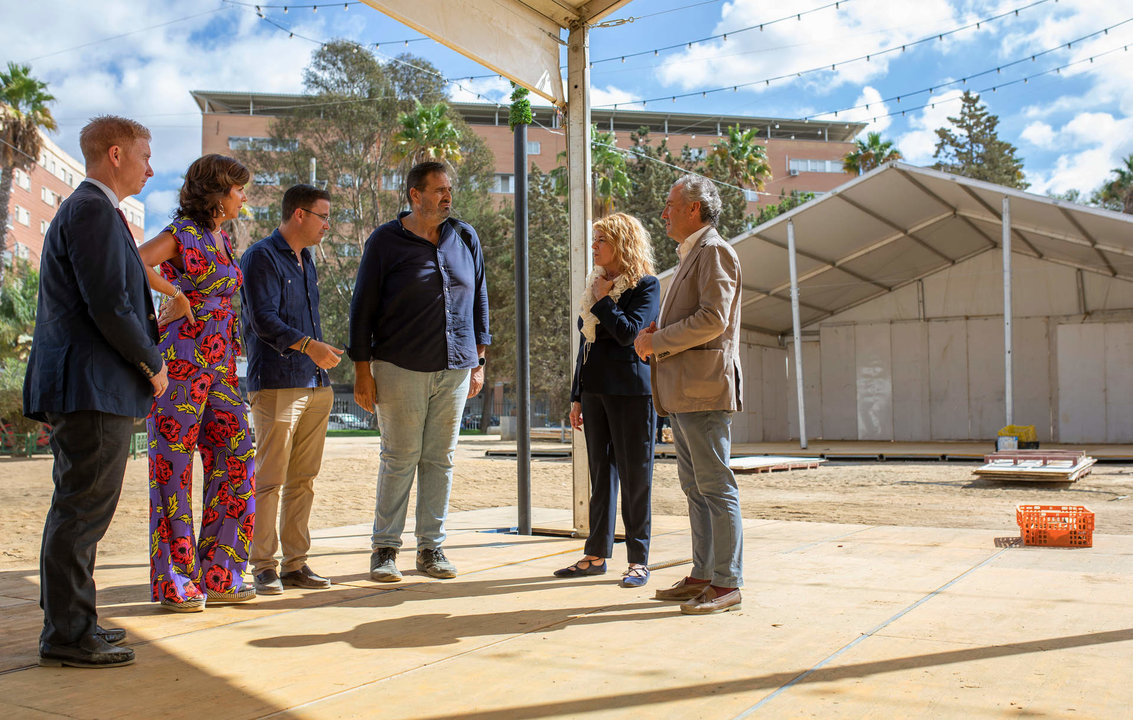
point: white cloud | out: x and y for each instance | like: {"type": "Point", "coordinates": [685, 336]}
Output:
{"type": "Point", "coordinates": [147, 75]}
{"type": "Point", "coordinates": [919, 144]}
{"type": "Point", "coordinates": [1039, 134]}
{"type": "Point", "coordinates": [870, 110]}
{"type": "Point", "coordinates": [1095, 144]}
{"type": "Point", "coordinates": [494, 89]}
{"type": "Point", "coordinates": [610, 95]}
{"type": "Point", "coordinates": [831, 36]}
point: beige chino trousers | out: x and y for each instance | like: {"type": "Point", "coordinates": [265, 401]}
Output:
{"type": "Point", "coordinates": [291, 429]}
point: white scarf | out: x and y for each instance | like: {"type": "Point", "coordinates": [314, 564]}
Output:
{"type": "Point", "coordinates": [589, 320]}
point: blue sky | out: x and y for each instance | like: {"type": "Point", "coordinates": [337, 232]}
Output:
{"type": "Point", "coordinates": [142, 57]}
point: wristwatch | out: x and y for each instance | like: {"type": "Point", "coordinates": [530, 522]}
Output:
{"type": "Point", "coordinates": [481, 363]}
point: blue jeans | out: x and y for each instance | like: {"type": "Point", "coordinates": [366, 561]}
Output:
{"type": "Point", "coordinates": [419, 418]}
{"type": "Point", "coordinates": [703, 443]}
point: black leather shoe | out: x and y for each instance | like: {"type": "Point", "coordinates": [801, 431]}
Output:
{"type": "Point", "coordinates": [304, 577]}
{"type": "Point", "coordinates": [113, 636]}
{"type": "Point", "coordinates": [91, 652]}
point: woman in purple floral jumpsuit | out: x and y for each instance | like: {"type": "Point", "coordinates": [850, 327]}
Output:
{"type": "Point", "coordinates": [202, 408]}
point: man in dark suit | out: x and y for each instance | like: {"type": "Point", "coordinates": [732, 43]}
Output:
{"type": "Point", "coordinates": [94, 367]}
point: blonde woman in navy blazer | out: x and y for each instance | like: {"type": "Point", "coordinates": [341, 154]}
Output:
{"type": "Point", "coordinates": [611, 399]}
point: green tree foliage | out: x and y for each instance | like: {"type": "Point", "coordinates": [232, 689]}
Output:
{"type": "Point", "coordinates": [785, 204]}
{"type": "Point", "coordinates": [739, 159]}
{"type": "Point", "coordinates": [24, 111]}
{"type": "Point", "coordinates": [652, 170]}
{"type": "Point", "coordinates": [351, 127]}
{"type": "Point", "coordinates": [17, 322]}
{"type": "Point", "coordinates": [610, 184]}
{"type": "Point", "coordinates": [427, 133]}
{"type": "Point", "coordinates": [551, 313]}
{"type": "Point", "coordinates": [971, 147]}
{"type": "Point", "coordinates": [494, 225]}
{"type": "Point", "coordinates": [1118, 192]}
{"type": "Point", "coordinates": [870, 153]}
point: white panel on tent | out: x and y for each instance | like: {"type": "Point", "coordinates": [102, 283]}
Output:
{"type": "Point", "coordinates": [839, 387]}
{"type": "Point", "coordinates": [775, 394]}
{"type": "Point", "coordinates": [1032, 374]}
{"type": "Point", "coordinates": [1119, 382]}
{"type": "Point", "coordinates": [1104, 293]}
{"type": "Point", "coordinates": [812, 390]}
{"type": "Point", "coordinates": [874, 381]}
{"type": "Point", "coordinates": [948, 379]}
{"type": "Point", "coordinates": [752, 359]}
{"type": "Point", "coordinates": [985, 377]}
{"type": "Point", "coordinates": [1081, 383]}
{"type": "Point", "coordinates": [910, 381]}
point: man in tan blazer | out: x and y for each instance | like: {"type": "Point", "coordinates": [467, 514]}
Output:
{"type": "Point", "coordinates": [697, 383]}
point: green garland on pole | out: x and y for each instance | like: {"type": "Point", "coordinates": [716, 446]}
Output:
{"type": "Point", "coordinates": [520, 113]}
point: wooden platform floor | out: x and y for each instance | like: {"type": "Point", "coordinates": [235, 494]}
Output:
{"type": "Point", "coordinates": [838, 621]}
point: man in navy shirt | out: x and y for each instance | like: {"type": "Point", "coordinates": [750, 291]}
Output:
{"type": "Point", "coordinates": [418, 332]}
{"type": "Point", "coordinates": [288, 386]}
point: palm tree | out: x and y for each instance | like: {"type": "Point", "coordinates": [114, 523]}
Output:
{"type": "Point", "coordinates": [739, 159]}
{"type": "Point", "coordinates": [1120, 189]}
{"type": "Point", "coordinates": [427, 134]}
{"type": "Point", "coordinates": [609, 180]}
{"type": "Point", "coordinates": [23, 112]}
{"type": "Point", "coordinates": [608, 167]}
{"type": "Point", "coordinates": [870, 153]}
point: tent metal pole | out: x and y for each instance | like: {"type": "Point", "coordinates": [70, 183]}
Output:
{"type": "Point", "coordinates": [578, 167]}
{"type": "Point", "coordinates": [796, 325]}
{"type": "Point", "coordinates": [522, 337]}
{"type": "Point", "coordinates": [1008, 374]}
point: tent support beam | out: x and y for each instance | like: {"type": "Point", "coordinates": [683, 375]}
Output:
{"type": "Point", "coordinates": [578, 165]}
{"type": "Point", "coordinates": [798, 331]}
{"type": "Point", "coordinates": [999, 216]}
{"type": "Point", "coordinates": [1008, 380]}
{"type": "Point", "coordinates": [892, 226]}
{"type": "Point", "coordinates": [827, 264]}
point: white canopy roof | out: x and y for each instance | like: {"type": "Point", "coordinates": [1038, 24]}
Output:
{"type": "Point", "coordinates": [518, 39]}
{"type": "Point", "coordinates": [899, 223]}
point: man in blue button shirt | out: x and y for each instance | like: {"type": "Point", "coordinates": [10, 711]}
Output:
{"type": "Point", "coordinates": [288, 386]}
{"type": "Point", "coordinates": [418, 332]}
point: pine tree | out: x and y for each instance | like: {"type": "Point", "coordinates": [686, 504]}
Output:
{"type": "Point", "coordinates": [972, 148]}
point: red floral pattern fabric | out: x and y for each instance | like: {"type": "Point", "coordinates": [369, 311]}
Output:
{"type": "Point", "coordinates": [201, 411]}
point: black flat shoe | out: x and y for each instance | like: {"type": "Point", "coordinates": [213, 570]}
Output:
{"type": "Point", "coordinates": [113, 636]}
{"type": "Point", "coordinates": [91, 652]}
{"type": "Point", "coordinates": [575, 571]}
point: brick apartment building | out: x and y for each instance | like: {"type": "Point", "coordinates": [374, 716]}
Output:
{"type": "Point", "coordinates": [804, 156]}
{"type": "Point", "coordinates": [36, 196]}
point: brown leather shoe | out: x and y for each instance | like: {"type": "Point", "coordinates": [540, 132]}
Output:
{"type": "Point", "coordinates": [304, 578]}
{"type": "Point", "coordinates": [709, 603]}
{"type": "Point", "coordinates": [683, 590]}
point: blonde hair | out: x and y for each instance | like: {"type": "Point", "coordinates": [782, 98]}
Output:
{"type": "Point", "coordinates": [106, 131]}
{"type": "Point", "coordinates": [630, 242]}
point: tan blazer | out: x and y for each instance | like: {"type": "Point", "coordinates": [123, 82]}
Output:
{"type": "Point", "coordinates": [696, 364]}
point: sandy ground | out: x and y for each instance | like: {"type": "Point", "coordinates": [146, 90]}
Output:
{"type": "Point", "coordinates": [935, 494]}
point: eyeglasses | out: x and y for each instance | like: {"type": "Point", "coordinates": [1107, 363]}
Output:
{"type": "Point", "coordinates": [324, 218]}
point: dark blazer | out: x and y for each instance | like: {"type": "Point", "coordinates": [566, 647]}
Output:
{"type": "Point", "coordinates": [612, 366]}
{"type": "Point", "coordinates": [95, 342]}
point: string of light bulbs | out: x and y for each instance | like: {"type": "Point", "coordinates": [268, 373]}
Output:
{"type": "Point", "coordinates": [964, 80]}
{"type": "Point", "coordinates": [938, 36]}
{"type": "Point", "coordinates": [994, 88]}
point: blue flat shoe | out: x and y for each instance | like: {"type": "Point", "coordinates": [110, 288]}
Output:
{"type": "Point", "coordinates": [575, 571]}
{"type": "Point", "coordinates": [635, 577]}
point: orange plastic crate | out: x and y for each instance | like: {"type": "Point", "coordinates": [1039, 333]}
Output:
{"type": "Point", "coordinates": [1056, 525]}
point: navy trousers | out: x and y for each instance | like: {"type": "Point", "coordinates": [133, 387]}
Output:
{"type": "Point", "coordinates": [619, 433]}
{"type": "Point", "coordinates": [90, 450]}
